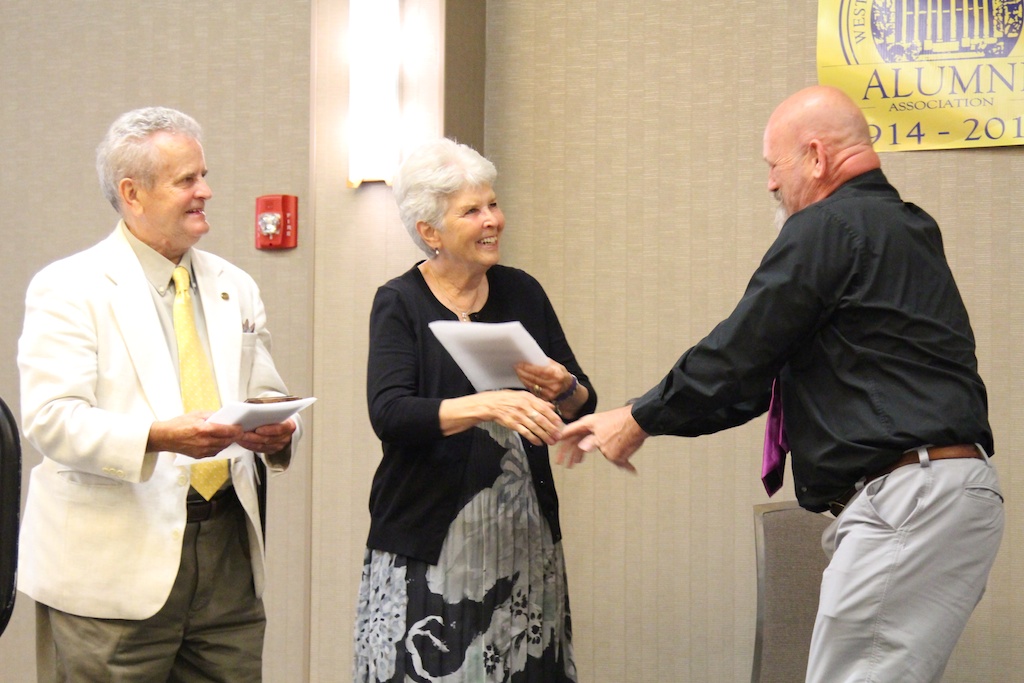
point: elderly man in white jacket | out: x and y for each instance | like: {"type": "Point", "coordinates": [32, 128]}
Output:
{"type": "Point", "coordinates": [136, 576]}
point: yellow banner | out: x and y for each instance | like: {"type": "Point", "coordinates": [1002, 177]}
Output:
{"type": "Point", "coordinates": [928, 74]}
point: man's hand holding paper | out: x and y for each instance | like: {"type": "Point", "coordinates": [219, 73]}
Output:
{"type": "Point", "coordinates": [238, 427]}
{"type": "Point", "coordinates": [271, 438]}
{"type": "Point", "coordinates": [192, 435]}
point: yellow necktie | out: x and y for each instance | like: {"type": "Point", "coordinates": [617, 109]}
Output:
{"type": "Point", "coordinates": [198, 389]}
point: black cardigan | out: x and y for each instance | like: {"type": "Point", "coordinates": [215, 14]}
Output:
{"type": "Point", "coordinates": [425, 478]}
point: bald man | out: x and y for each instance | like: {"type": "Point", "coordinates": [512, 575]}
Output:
{"type": "Point", "coordinates": [854, 318]}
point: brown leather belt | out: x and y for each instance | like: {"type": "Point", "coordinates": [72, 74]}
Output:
{"type": "Point", "coordinates": [908, 458]}
{"type": "Point", "coordinates": [202, 510]}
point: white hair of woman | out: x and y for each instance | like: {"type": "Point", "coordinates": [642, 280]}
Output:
{"type": "Point", "coordinates": [430, 176]}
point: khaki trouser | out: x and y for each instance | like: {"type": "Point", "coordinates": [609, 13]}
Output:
{"type": "Point", "coordinates": [210, 630]}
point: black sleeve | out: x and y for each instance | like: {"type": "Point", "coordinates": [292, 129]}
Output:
{"type": "Point", "coordinates": [400, 409]}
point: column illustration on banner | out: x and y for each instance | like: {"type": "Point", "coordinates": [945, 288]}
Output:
{"type": "Point", "coordinates": [928, 74]}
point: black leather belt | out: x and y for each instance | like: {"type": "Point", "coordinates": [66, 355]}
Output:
{"type": "Point", "coordinates": [202, 510]}
{"type": "Point", "coordinates": [908, 458]}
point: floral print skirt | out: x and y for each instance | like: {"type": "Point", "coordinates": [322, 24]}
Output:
{"type": "Point", "coordinates": [494, 608]}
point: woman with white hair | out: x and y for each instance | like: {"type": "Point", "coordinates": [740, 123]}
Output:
{"type": "Point", "coordinates": [464, 577]}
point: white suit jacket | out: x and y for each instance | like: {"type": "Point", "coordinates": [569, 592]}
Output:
{"type": "Point", "coordinates": [102, 530]}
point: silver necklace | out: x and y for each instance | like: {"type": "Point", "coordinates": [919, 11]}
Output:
{"type": "Point", "coordinates": [463, 315]}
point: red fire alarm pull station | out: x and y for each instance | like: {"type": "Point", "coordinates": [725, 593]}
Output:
{"type": "Point", "coordinates": [277, 221]}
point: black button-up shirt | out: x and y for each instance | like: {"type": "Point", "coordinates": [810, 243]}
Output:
{"type": "Point", "coordinates": [855, 309]}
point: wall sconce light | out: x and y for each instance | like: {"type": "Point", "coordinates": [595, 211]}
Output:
{"type": "Point", "coordinates": [374, 34]}
{"type": "Point", "coordinates": [395, 83]}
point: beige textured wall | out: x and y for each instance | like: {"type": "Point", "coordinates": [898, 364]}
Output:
{"type": "Point", "coordinates": [242, 69]}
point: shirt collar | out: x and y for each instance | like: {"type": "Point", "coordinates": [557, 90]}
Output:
{"type": "Point", "coordinates": [155, 266]}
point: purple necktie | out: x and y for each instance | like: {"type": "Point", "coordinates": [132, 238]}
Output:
{"type": "Point", "coordinates": [773, 465]}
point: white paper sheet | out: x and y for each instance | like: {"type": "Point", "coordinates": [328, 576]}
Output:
{"type": "Point", "coordinates": [253, 415]}
{"type": "Point", "coordinates": [250, 416]}
{"type": "Point", "coordinates": [488, 352]}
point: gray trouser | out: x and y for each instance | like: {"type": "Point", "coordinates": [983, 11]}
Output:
{"type": "Point", "coordinates": [911, 554]}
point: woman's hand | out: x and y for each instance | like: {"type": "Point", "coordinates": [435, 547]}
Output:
{"type": "Point", "coordinates": [554, 383]}
{"type": "Point", "coordinates": [545, 381]}
{"type": "Point", "coordinates": [522, 412]}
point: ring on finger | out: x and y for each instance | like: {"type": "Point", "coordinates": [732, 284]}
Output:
{"type": "Point", "coordinates": [536, 389]}
{"type": "Point", "coordinates": [534, 415]}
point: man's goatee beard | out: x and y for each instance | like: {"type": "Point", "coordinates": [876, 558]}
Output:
{"type": "Point", "coordinates": [781, 216]}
